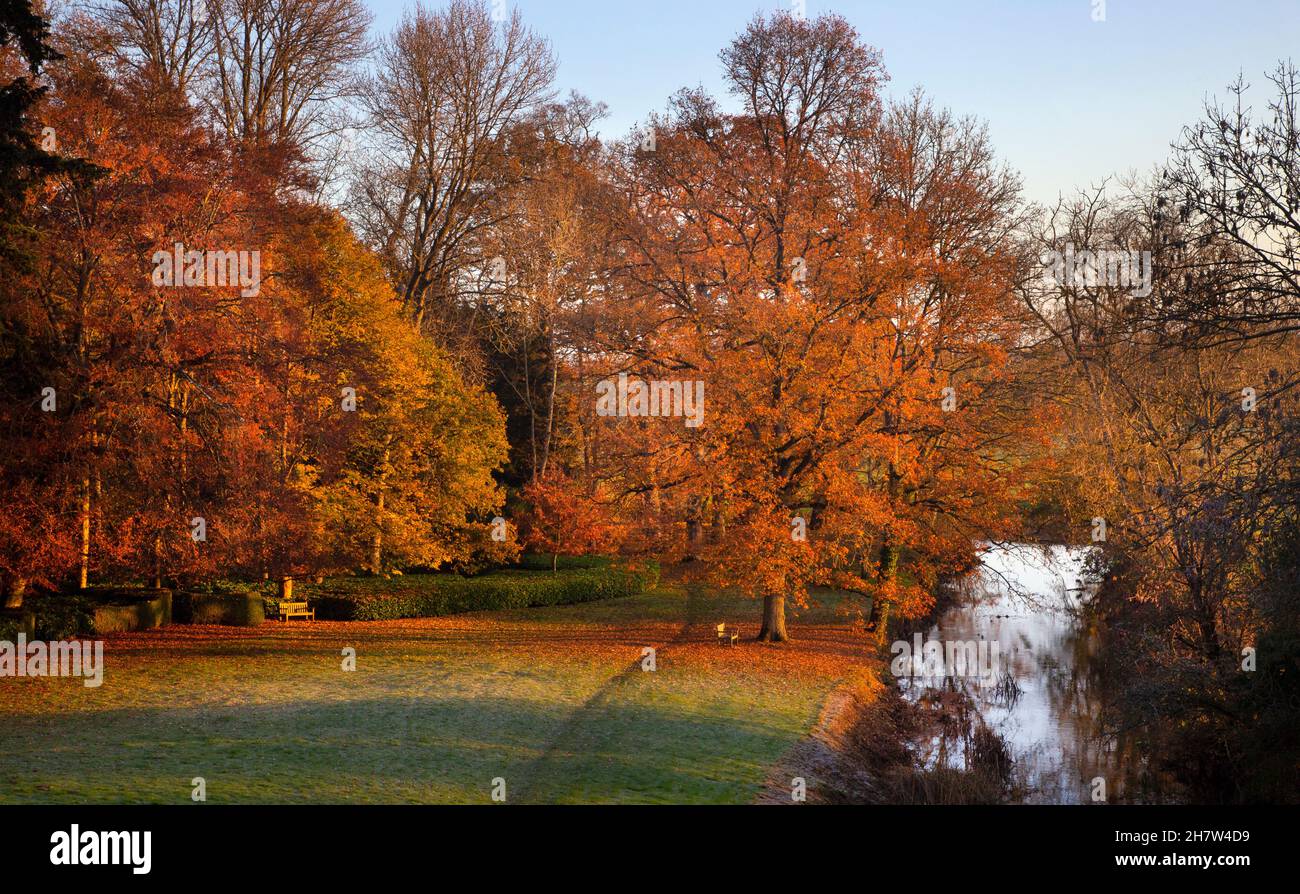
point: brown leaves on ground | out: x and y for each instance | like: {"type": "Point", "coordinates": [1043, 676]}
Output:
{"type": "Point", "coordinates": [824, 650]}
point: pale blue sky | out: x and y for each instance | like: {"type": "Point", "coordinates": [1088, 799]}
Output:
{"type": "Point", "coordinates": [1068, 100]}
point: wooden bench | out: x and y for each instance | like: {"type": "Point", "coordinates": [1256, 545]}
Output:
{"type": "Point", "coordinates": [296, 610]}
{"type": "Point", "coordinates": [727, 636]}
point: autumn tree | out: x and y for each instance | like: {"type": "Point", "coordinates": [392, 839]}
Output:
{"type": "Point", "coordinates": [197, 424]}
{"type": "Point", "coordinates": [535, 321]}
{"type": "Point", "coordinates": [827, 273]}
{"type": "Point", "coordinates": [32, 542]}
{"type": "Point", "coordinates": [415, 471]}
{"type": "Point", "coordinates": [136, 372]}
{"type": "Point", "coordinates": [563, 519]}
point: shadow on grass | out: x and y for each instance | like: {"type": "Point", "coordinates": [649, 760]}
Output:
{"type": "Point", "coordinates": [400, 750]}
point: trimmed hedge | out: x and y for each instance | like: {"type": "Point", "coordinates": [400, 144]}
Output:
{"type": "Point", "coordinates": [64, 616]}
{"type": "Point", "coordinates": [16, 621]}
{"type": "Point", "coordinates": [228, 609]}
{"type": "Point", "coordinates": [124, 610]}
{"type": "Point", "coordinates": [540, 562]}
{"type": "Point", "coordinates": [432, 595]}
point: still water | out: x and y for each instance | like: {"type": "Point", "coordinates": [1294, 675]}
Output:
{"type": "Point", "coordinates": [1040, 695]}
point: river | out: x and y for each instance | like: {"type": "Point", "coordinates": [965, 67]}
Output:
{"type": "Point", "coordinates": [1038, 692]}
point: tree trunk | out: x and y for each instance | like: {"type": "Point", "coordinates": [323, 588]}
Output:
{"type": "Point", "coordinates": [889, 551]}
{"type": "Point", "coordinates": [719, 532]}
{"type": "Point", "coordinates": [83, 576]}
{"type": "Point", "coordinates": [14, 589]}
{"type": "Point", "coordinates": [882, 625]}
{"type": "Point", "coordinates": [377, 545]}
{"type": "Point", "coordinates": [286, 589]}
{"type": "Point", "coordinates": [773, 630]}
{"type": "Point", "coordinates": [535, 471]}
{"type": "Point", "coordinates": [550, 403]}
{"type": "Point", "coordinates": [555, 562]}
{"type": "Point", "coordinates": [694, 525]}
{"type": "Point", "coordinates": [157, 559]}
{"type": "Point", "coordinates": [1205, 622]}
{"type": "Point", "coordinates": [888, 561]}
{"type": "Point", "coordinates": [653, 514]}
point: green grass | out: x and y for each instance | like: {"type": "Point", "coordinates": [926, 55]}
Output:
{"type": "Point", "coordinates": [553, 700]}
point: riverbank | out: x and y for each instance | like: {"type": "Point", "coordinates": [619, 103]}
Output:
{"type": "Point", "coordinates": [866, 749]}
{"type": "Point", "coordinates": [835, 762]}
{"type": "Point", "coordinates": [1020, 725]}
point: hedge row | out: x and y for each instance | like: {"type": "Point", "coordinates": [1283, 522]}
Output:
{"type": "Point", "coordinates": [13, 623]}
{"type": "Point", "coordinates": [124, 610]}
{"type": "Point", "coordinates": [64, 616]}
{"type": "Point", "coordinates": [580, 579]}
{"type": "Point", "coordinates": [228, 609]}
{"type": "Point", "coordinates": [538, 562]}
{"type": "Point", "coordinates": [431, 595]}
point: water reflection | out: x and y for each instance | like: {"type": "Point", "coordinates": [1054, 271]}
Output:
{"type": "Point", "coordinates": [1043, 699]}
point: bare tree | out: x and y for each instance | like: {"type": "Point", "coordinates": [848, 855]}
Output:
{"type": "Point", "coordinates": [1178, 443]}
{"type": "Point", "coordinates": [1234, 181]}
{"type": "Point", "coordinates": [447, 88]}
{"type": "Point", "coordinates": [556, 238]}
{"type": "Point", "coordinates": [166, 42]}
{"type": "Point", "coordinates": [280, 66]}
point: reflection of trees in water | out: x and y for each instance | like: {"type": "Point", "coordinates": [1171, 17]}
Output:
{"type": "Point", "coordinates": [1048, 708]}
{"type": "Point", "coordinates": [958, 739]}
{"type": "Point", "coordinates": [1077, 690]}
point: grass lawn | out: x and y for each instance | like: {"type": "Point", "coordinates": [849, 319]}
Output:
{"type": "Point", "coordinates": [553, 700]}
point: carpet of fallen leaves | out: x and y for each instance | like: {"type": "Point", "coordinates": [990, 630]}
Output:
{"type": "Point", "coordinates": [556, 700]}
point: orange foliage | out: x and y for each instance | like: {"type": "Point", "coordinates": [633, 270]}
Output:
{"type": "Point", "coordinates": [562, 520]}
{"type": "Point", "coordinates": [828, 268]}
